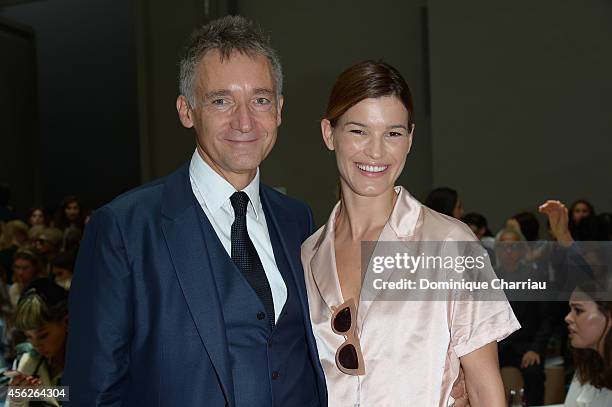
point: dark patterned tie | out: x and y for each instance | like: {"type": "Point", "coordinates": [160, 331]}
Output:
{"type": "Point", "coordinates": [245, 255]}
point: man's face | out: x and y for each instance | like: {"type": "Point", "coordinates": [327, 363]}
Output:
{"type": "Point", "coordinates": [236, 114]}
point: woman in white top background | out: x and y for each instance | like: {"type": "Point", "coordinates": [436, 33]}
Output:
{"type": "Point", "coordinates": [589, 323]}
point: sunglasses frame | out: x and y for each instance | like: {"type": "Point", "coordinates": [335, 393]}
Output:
{"type": "Point", "coordinates": [350, 337]}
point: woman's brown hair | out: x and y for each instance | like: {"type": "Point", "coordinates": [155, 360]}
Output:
{"type": "Point", "coordinates": [368, 79]}
{"type": "Point", "coordinates": [591, 367]}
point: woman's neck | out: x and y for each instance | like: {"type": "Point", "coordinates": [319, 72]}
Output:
{"type": "Point", "coordinates": [361, 216]}
{"type": "Point", "coordinates": [56, 363]}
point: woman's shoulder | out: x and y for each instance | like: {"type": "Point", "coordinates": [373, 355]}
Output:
{"type": "Point", "coordinates": [586, 395]}
{"type": "Point", "coordinates": [445, 227]}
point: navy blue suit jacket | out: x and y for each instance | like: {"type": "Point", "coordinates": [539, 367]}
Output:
{"type": "Point", "coordinates": [145, 323]}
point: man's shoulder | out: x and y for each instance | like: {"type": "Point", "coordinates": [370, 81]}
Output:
{"type": "Point", "coordinates": [146, 198]}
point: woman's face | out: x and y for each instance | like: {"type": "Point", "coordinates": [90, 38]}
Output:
{"type": "Point", "coordinates": [49, 340]}
{"type": "Point", "coordinates": [37, 218]}
{"type": "Point", "coordinates": [586, 324]}
{"type": "Point", "coordinates": [371, 141]}
{"type": "Point", "coordinates": [509, 251]}
{"type": "Point", "coordinates": [580, 212]}
{"type": "Point", "coordinates": [72, 211]}
{"type": "Point", "coordinates": [24, 271]}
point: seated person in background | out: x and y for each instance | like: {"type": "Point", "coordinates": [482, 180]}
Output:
{"type": "Point", "coordinates": [48, 245]}
{"type": "Point", "coordinates": [42, 314]}
{"type": "Point", "coordinates": [37, 216]}
{"type": "Point", "coordinates": [62, 267]}
{"type": "Point", "coordinates": [26, 268]}
{"type": "Point", "coordinates": [524, 349]}
{"type": "Point", "coordinates": [589, 322]}
{"type": "Point", "coordinates": [479, 225]}
{"type": "Point", "coordinates": [579, 210]}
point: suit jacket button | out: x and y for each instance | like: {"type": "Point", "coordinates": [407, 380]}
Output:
{"type": "Point", "coordinates": [275, 375]}
{"type": "Point", "coordinates": [261, 315]}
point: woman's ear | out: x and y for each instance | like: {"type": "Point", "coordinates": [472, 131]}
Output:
{"type": "Point", "coordinates": [327, 131]}
{"type": "Point", "coordinates": [410, 136]}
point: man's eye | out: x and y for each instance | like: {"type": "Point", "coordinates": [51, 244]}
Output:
{"type": "Point", "coordinates": [357, 131]}
{"type": "Point", "coordinates": [395, 134]}
{"type": "Point", "coordinates": [262, 101]}
{"type": "Point", "coordinates": [219, 102]}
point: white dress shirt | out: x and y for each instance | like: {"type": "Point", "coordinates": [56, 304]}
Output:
{"type": "Point", "coordinates": [213, 193]}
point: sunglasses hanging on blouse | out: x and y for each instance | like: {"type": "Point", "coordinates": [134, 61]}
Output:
{"type": "Point", "coordinates": [349, 358]}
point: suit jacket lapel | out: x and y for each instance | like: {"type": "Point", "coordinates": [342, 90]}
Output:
{"type": "Point", "coordinates": [287, 231]}
{"type": "Point", "coordinates": [186, 242]}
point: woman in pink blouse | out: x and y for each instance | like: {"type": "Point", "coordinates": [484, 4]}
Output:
{"type": "Point", "coordinates": [378, 352]}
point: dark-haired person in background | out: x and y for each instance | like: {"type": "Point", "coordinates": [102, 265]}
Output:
{"type": "Point", "coordinates": [590, 332]}
{"type": "Point", "coordinates": [579, 210]}
{"type": "Point", "coordinates": [189, 291]}
{"type": "Point", "coordinates": [36, 216]}
{"type": "Point", "coordinates": [446, 201]}
{"type": "Point", "coordinates": [68, 214]}
{"type": "Point", "coordinates": [479, 225]}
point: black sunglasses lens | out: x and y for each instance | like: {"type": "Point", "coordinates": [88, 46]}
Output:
{"type": "Point", "coordinates": [348, 357]}
{"type": "Point", "coordinates": [342, 322]}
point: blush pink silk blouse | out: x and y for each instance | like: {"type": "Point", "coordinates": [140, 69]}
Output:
{"type": "Point", "coordinates": [411, 348]}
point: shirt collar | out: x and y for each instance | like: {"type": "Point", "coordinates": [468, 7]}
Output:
{"type": "Point", "coordinates": [215, 190]}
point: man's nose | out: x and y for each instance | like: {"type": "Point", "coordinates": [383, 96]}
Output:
{"type": "Point", "coordinates": [242, 119]}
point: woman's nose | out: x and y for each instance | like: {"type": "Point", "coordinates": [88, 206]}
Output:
{"type": "Point", "coordinates": [375, 148]}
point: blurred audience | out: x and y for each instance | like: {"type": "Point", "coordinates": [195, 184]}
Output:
{"type": "Point", "coordinates": [524, 349]}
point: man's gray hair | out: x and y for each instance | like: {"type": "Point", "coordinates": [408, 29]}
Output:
{"type": "Point", "coordinates": [226, 35]}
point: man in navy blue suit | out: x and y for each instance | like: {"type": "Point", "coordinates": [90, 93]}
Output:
{"type": "Point", "coordinates": [189, 291]}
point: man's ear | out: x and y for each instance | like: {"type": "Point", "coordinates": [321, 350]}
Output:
{"type": "Point", "coordinates": [279, 110]}
{"type": "Point", "coordinates": [327, 131]}
{"type": "Point", "coordinates": [184, 111]}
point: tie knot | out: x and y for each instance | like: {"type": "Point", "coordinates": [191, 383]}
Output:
{"type": "Point", "coordinates": [239, 201]}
